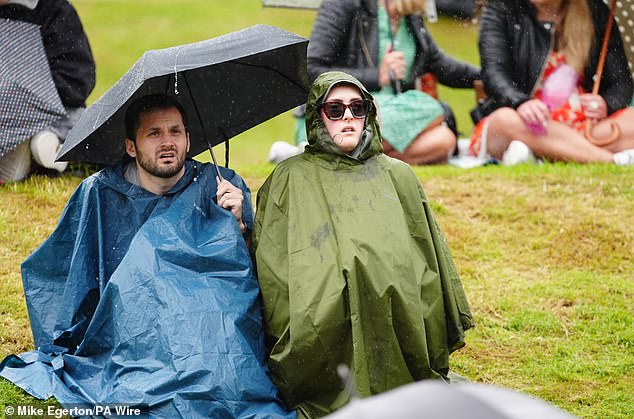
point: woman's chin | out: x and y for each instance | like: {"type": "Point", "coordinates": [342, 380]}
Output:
{"type": "Point", "coordinates": [348, 146]}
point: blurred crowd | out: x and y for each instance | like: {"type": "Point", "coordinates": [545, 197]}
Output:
{"type": "Point", "coordinates": [549, 88]}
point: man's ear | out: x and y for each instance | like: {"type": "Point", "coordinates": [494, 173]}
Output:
{"type": "Point", "coordinates": [130, 148]}
{"type": "Point", "coordinates": [188, 143]}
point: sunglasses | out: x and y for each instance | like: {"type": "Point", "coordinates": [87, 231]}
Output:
{"type": "Point", "coordinates": [335, 110]}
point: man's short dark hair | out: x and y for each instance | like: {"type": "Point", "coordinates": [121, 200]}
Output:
{"type": "Point", "coordinates": [150, 103]}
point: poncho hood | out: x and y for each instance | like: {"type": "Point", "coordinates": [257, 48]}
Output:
{"type": "Point", "coordinates": [319, 141]}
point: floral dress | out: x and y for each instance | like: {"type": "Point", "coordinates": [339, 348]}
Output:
{"type": "Point", "coordinates": [571, 113]}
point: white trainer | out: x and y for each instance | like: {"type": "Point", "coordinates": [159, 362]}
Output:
{"type": "Point", "coordinates": [625, 157]}
{"type": "Point", "coordinates": [44, 146]}
{"type": "Point", "coordinates": [281, 150]}
{"type": "Point", "coordinates": [517, 153]}
{"type": "Point", "coordinates": [463, 146]}
{"type": "Point", "coordinates": [17, 164]}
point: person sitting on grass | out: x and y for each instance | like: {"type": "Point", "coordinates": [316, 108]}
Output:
{"type": "Point", "coordinates": [72, 68]}
{"type": "Point", "coordinates": [525, 117]}
{"type": "Point", "coordinates": [351, 263]}
{"type": "Point", "coordinates": [144, 294]}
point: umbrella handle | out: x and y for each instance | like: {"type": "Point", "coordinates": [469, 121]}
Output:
{"type": "Point", "coordinates": [213, 157]}
{"type": "Point", "coordinates": [604, 50]}
{"type": "Point", "coordinates": [614, 135]}
{"type": "Point", "coordinates": [396, 83]}
{"type": "Point", "coordinates": [616, 131]}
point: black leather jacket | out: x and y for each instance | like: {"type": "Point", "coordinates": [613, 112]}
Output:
{"type": "Point", "coordinates": [345, 37]}
{"type": "Point", "coordinates": [514, 47]}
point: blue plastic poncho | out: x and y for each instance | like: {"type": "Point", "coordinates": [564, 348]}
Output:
{"type": "Point", "coordinates": [147, 300]}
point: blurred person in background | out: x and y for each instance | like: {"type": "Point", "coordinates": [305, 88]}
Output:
{"type": "Point", "coordinates": [539, 58]}
{"type": "Point", "coordinates": [73, 70]}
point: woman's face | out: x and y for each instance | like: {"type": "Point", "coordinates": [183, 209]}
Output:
{"type": "Point", "coordinates": [345, 132]}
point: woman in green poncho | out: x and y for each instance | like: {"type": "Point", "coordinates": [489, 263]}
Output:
{"type": "Point", "coordinates": [352, 266]}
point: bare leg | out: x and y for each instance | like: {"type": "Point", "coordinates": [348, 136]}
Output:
{"type": "Point", "coordinates": [431, 146]}
{"type": "Point", "coordinates": [626, 124]}
{"type": "Point", "coordinates": [559, 143]}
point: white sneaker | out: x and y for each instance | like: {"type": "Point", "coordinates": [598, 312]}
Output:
{"type": "Point", "coordinates": [463, 146]}
{"type": "Point", "coordinates": [517, 153]}
{"type": "Point", "coordinates": [281, 150]}
{"type": "Point", "coordinates": [44, 146]}
{"type": "Point", "coordinates": [624, 157]}
{"type": "Point", "coordinates": [17, 164]}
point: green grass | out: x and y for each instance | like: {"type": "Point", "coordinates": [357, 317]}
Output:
{"type": "Point", "coordinates": [545, 252]}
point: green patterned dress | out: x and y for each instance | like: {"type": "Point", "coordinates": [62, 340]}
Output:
{"type": "Point", "coordinates": [403, 116]}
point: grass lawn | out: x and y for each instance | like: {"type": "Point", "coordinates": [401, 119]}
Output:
{"type": "Point", "coordinates": [545, 251]}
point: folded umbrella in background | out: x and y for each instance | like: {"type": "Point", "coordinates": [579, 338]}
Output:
{"type": "Point", "coordinates": [314, 4]}
{"type": "Point", "coordinates": [28, 98]}
{"type": "Point", "coordinates": [295, 4]}
{"type": "Point", "coordinates": [226, 84]}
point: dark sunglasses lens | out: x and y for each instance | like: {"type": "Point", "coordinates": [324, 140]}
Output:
{"type": "Point", "coordinates": [334, 110]}
{"type": "Point", "coordinates": [359, 108]}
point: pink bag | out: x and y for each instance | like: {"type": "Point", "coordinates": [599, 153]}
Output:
{"type": "Point", "coordinates": [559, 86]}
{"type": "Point", "coordinates": [556, 91]}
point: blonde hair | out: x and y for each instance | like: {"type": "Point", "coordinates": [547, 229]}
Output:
{"type": "Point", "coordinates": [575, 34]}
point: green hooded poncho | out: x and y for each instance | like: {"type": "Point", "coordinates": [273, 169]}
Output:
{"type": "Point", "coordinates": [353, 270]}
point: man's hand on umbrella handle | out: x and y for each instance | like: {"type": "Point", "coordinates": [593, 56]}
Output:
{"type": "Point", "coordinates": [392, 62]}
{"type": "Point", "coordinates": [231, 198]}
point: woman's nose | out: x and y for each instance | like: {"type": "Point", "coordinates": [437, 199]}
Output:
{"type": "Point", "coordinates": [347, 113]}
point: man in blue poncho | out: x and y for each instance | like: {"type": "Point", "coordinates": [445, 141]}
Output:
{"type": "Point", "coordinates": [145, 295]}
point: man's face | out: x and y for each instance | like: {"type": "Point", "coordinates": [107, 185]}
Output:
{"type": "Point", "coordinates": [161, 143]}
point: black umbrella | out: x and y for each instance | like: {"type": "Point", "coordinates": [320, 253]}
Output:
{"type": "Point", "coordinates": [437, 400]}
{"type": "Point", "coordinates": [29, 101]}
{"type": "Point", "coordinates": [226, 84]}
{"type": "Point", "coordinates": [624, 10]}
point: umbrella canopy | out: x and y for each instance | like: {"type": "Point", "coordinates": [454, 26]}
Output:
{"type": "Point", "coordinates": [623, 16]}
{"type": "Point", "coordinates": [226, 84]}
{"type": "Point", "coordinates": [28, 98]}
{"type": "Point", "coordinates": [433, 399]}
